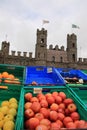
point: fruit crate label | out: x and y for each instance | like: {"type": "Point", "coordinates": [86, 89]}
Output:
{"type": "Point", "coordinates": [49, 70]}
{"type": "Point", "coordinates": [37, 90]}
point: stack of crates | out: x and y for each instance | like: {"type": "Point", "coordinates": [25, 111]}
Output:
{"type": "Point", "coordinates": [47, 80]}
{"type": "Point", "coordinates": [12, 89]}
{"type": "Point", "coordinates": [35, 80]}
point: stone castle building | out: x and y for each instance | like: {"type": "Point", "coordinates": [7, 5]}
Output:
{"type": "Point", "coordinates": [57, 57]}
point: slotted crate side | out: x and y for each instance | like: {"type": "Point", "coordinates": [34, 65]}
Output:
{"type": "Point", "coordinates": [81, 109]}
{"type": "Point", "coordinates": [13, 91]}
{"type": "Point", "coordinates": [80, 92]}
{"type": "Point", "coordinates": [20, 115]}
{"type": "Point", "coordinates": [17, 71]}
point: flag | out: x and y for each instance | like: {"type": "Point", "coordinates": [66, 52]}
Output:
{"type": "Point", "coordinates": [75, 26]}
{"type": "Point", "coordinates": [45, 21]}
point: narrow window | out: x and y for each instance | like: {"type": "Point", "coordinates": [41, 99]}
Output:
{"type": "Point", "coordinates": [73, 45]}
{"type": "Point", "coordinates": [61, 59]}
{"type": "Point", "coordinates": [42, 40]}
{"type": "Point", "coordinates": [38, 55]}
{"type": "Point", "coordinates": [53, 58]}
{"type": "Point", "coordinates": [73, 57]}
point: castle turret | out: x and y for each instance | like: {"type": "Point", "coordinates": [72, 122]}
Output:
{"type": "Point", "coordinates": [72, 48]}
{"type": "Point", "coordinates": [5, 48]}
{"type": "Point", "coordinates": [41, 45]}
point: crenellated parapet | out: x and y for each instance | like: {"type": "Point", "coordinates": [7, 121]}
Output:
{"type": "Point", "coordinates": [13, 53]}
{"type": "Point", "coordinates": [56, 48]}
{"type": "Point", "coordinates": [20, 54]}
{"type": "Point", "coordinates": [51, 47]}
{"type": "Point", "coordinates": [83, 60]}
{"type": "Point", "coordinates": [25, 54]}
{"type": "Point", "coordinates": [30, 55]}
{"type": "Point", "coordinates": [80, 60]}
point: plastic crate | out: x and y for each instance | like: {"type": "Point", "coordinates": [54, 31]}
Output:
{"type": "Point", "coordinates": [43, 76]}
{"type": "Point", "coordinates": [72, 75]}
{"type": "Point", "coordinates": [81, 109]}
{"type": "Point", "coordinates": [81, 92]}
{"type": "Point", "coordinates": [85, 71]}
{"type": "Point", "coordinates": [17, 71]}
{"type": "Point", "coordinates": [10, 92]}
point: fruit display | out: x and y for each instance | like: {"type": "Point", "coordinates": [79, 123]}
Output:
{"type": "Point", "coordinates": [8, 113]}
{"type": "Point", "coordinates": [51, 111]}
{"type": "Point", "coordinates": [8, 78]}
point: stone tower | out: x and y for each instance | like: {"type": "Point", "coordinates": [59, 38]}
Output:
{"type": "Point", "coordinates": [41, 45]}
{"type": "Point", "coordinates": [5, 48]}
{"type": "Point", "coordinates": [72, 48]}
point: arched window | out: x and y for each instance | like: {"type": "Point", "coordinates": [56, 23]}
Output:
{"type": "Point", "coordinates": [42, 40]}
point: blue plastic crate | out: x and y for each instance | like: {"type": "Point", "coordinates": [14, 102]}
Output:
{"type": "Point", "coordinates": [43, 76]}
{"type": "Point", "coordinates": [71, 74]}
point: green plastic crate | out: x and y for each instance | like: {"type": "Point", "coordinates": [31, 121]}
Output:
{"type": "Point", "coordinates": [81, 93]}
{"type": "Point", "coordinates": [76, 85]}
{"type": "Point", "coordinates": [81, 109]}
{"type": "Point", "coordinates": [12, 91]}
{"type": "Point", "coordinates": [85, 71]}
{"type": "Point", "coordinates": [17, 71]}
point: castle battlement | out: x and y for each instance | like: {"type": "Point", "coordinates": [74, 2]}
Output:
{"type": "Point", "coordinates": [56, 47]}
{"type": "Point", "coordinates": [19, 54]}
{"type": "Point", "coordinates": [84, 60]}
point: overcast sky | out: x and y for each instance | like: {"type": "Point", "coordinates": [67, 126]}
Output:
{"type": "Point", "coordinates": [19, 20]}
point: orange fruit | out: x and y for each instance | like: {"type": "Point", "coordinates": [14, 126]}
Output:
{"type": "Point", "coordinates": [0, 75]}
{"type": "Point", "coordinates": [11, 76]}
{"type": "Point", "coordinates": [5, 74]}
